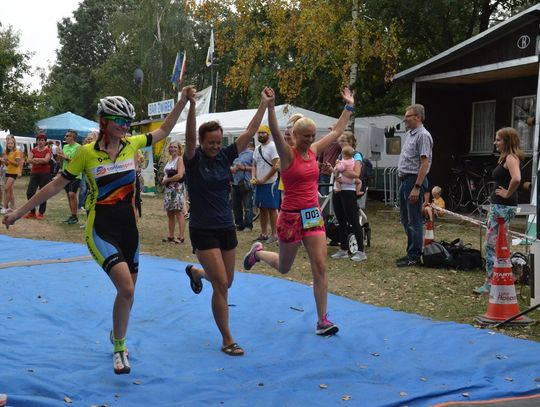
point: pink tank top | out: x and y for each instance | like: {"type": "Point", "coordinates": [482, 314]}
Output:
{"type": "Point", "coordinates": [300, 183]}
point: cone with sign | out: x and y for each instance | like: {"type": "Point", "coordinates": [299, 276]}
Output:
{"type": "Point", "coordinates": [502, 296]}
{"type": "Point", "coordinates": [428, 233]}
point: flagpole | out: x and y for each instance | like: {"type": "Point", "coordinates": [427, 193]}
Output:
{"type": "Point", "coordinates": [215, 93]}
{"type": "Point", "coordinates": [212, 87]}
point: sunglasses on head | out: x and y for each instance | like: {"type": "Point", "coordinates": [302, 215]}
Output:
{"type": "Point", "coordinates": [121, 121]}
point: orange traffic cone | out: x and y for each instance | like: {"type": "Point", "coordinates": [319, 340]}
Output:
{"type": "Point", "coordinates": [428, 233]}
{"type": "Point", "coordinates": [502, 296]}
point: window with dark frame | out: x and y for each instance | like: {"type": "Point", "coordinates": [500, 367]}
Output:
{"type": "Point", "coordinates": [523, 114]}
{"type": "Point", "coordinates": [483, 126]}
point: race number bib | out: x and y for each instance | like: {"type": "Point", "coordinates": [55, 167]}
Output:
{"type": "Point", "coordinates": [311, 218]}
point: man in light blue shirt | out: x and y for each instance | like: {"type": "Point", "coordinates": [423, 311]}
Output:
{"type": "Point", "coordinates": [242, 189]}
{"type": "Point", "coordinates": [413, 167]}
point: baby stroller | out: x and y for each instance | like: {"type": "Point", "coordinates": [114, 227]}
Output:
{"type": "Point", "coordinates": [332, 226]}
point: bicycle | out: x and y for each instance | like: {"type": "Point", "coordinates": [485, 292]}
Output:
{"type": "Point", "coordinates": [470, 189]}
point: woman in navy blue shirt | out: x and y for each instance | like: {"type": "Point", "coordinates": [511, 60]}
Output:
{"type": "Point", "coordinates": [211, 226]}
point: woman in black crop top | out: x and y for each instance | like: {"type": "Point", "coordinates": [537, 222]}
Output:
{"type": "Point", "coordinates": [504, 200]}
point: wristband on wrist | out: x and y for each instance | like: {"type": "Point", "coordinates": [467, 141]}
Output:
{"type": "Point", "coordinates": [349, 108]}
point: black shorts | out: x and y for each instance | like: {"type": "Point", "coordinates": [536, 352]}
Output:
{"type": "Point", "coordinates": [73, 186]}
{"type": "Point", "coordinates": [205, 239]}
{"type": "Point", "coordinates": [14, 176]}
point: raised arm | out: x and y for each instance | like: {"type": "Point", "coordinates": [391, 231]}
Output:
{"type": "Point", "coordinates": [173, 116]}
{"type": "Point", "coordinates": [253, 126]}
{"type": "Point", "coordinates": [284, 151]}
{"type": "Point", "coordinates": [322, 144]}
{"type": "Point", "coordinates": [191, 130]}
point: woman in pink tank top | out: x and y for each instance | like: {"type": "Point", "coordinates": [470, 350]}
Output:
{"type": "Point", "coordinates": [300, 218]}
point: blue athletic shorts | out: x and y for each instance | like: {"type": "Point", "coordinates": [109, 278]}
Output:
{"type": "Point", "coordinates": [267, 196]}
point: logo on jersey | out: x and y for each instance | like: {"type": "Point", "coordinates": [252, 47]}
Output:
{"type": "Point", "coordinates": [114, 168]}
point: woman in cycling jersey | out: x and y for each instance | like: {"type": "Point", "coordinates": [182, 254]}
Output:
{"type": "Point", "coordinates": [111, 229]}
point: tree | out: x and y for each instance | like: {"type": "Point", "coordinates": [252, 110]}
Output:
{"type": "Point", "coordinates": [302, 48]}
{"type": "Point", "coordinates": [18, 105]}
{"type": "Point", "coordinates": [86, 43]}
{"type": "Point", "coordinates": [428, 27]}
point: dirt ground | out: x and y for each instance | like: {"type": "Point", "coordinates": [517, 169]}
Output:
{"type": "Point", "coordinates": [434, 293]}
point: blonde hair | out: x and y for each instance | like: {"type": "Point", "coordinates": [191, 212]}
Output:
{"type": "Point", "coordinates": [347, 150]}
{"type": "Point", "coordinates": [177, 144]}
{"type": "Point", "coordinates": [11, 137]}
{"type": "Point", "coordinates": [293, 119]}
{"type": "Point", "coordinates": [510, 137]}
{"type": "Point", "coordinates": [300, 122]}
{"type": "Point", "coordinates": [436, 190]}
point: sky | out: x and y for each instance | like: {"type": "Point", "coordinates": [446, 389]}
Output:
{"type": "Point", "coordinates": [35, 20]}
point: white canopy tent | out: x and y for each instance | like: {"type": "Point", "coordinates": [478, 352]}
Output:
{"type": "Point", "coordinates": [235, 122]}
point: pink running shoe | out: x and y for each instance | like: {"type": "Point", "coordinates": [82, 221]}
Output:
{"type": "Point", "coordinates": [249, 258]}
{"type": "Point", "coordinates": [326, 327]}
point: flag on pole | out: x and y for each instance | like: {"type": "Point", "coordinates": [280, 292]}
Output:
{"type": "Point", "coordinates": [176, 70]}
{"type": "Point", "coordinates": [182, 70]}
{"type": "Point", "coordinates": [210, 54]}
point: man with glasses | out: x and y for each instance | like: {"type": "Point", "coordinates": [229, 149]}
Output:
{"type": "Point", "coordinates": [413, 167]}
{"type": "Point", "coordinates": [66, 154]}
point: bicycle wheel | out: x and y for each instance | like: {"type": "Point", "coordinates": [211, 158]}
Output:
{"type": "Point", "coordinates": [484, 193]}
{"type": "Point", "coordinates": [455, 196]}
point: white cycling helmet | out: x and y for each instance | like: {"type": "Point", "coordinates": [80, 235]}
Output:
{"type": "Point", "coordinates": [117, 106]}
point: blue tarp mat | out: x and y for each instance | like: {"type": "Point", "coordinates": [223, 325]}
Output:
{"type": "Point", "coordinates": [55, 320]}
{"type": "Point", "coordinates": [15, 250]}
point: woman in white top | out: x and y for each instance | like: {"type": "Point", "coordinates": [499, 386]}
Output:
{"type": "Point", "coordinates": [173, 180]}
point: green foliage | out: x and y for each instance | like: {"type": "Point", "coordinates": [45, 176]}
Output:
{"type": "Point", "coordinates": [17, 103]}
{"type": "Point", "coordinates": [304, 49]}
{"type": "Point", "coordinates": [86, 43]}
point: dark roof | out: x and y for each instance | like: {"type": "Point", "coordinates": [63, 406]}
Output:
{"type": "Point", "coordinates": [485, 37]}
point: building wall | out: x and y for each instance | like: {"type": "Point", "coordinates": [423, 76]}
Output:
{"type": "Point", "coordinates": [449, 118]}
{"type": "Point", "coordinates": [502, 49]}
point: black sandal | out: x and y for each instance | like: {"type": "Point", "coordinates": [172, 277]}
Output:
{"type": "Point", "coordinates": [196, 286]}
{"type": "Point", "coordinates": [233, 350]}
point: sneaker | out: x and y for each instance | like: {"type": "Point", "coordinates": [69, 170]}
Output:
{"type": "Point", "coordinates": [72, 221]}
{"type": "Point", "coordinates": [121, 363]}
{"type": "Point", "coordinates": [249, 258]}
{"type": "Point", "coordinates": [67, 220]}
{"type": "Point", "coordinates": [39, 216]}
{"type": "Point", "coordinates": [359, 256]}
{"type": "Point", "coordinates": [408, 263]}
{"type": "Point", "coordinates": [340, 254]}
{"type": "Point", "coordinates": [402, 259]}
{"type": "Point", "coordinates": [29, 215]}
{"type": "Point", "coordinates": [111, 338]}
{"type": "Point", "coordinates": [3, 211]}
{"type": "Point", "coordinates": [484, 289]}
{"type": "Point", "coordinates": [326, 327]}
{"type": "Point", "coordinates": [271, 239]}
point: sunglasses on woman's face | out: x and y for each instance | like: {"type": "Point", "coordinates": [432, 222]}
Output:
{"type": "Point", "coordinates": [121, 121]}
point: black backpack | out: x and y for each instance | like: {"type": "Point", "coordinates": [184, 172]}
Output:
{"type": "Point", "coordinates": [436, 256]}
{"type": "Point", "coordinates": [367, 170]}
{"type": "Point", "coordinates": [464, 257]}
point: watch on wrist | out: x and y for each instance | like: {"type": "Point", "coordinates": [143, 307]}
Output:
{"type": "Point", "coordinates": [417, 186]}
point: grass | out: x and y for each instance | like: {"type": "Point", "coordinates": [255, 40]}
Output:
{"type": "Point", "coordinates": [443, 295]}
